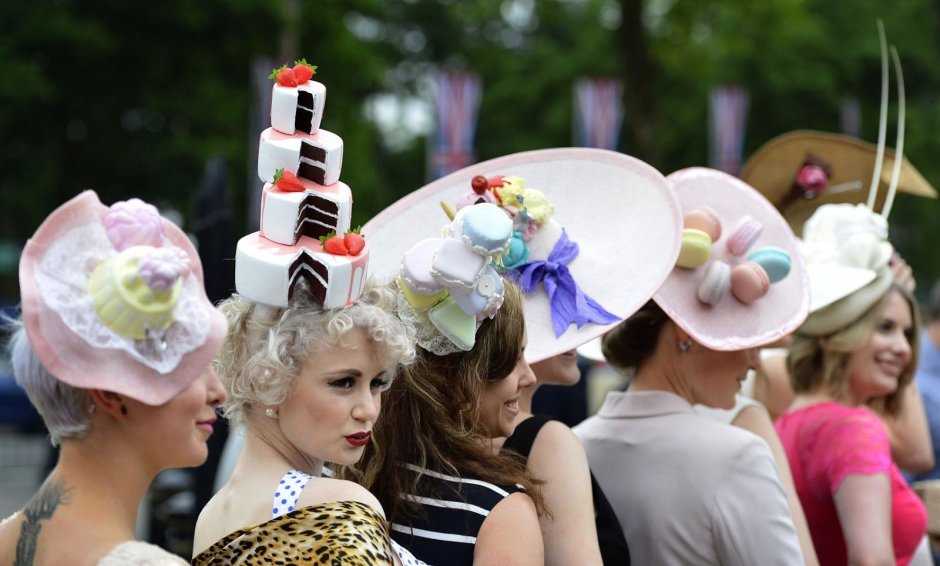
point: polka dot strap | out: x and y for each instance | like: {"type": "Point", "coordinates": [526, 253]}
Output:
{"type": "Point", "coordinates": [288, 492]}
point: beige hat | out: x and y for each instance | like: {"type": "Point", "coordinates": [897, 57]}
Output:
{"type": "Point", "coordinates": [847, 161]}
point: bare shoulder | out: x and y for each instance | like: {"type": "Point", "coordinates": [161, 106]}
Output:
{"type": "Point", "coordinates": [324, 490]}
{"type": "Point", "coordinates": [557, 442]}
{"type": "Point", "coordinates": [510, 535]}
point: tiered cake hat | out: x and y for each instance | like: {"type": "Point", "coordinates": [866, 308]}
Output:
{"type": "Point", "coordinates": [588, 234]}
{"type": "Point", "coordinates": [305, 208]}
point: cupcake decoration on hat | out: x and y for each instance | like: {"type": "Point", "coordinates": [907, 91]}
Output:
{"type": "Point", "coordinates": [588, 234]}
{"type": "Point", "coordinates": [739, 280]}
{"type": "Point", "coordinates": [113, 299]}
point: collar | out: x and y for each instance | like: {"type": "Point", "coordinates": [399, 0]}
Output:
{"type": "Point", "coordinates": [640, 404]}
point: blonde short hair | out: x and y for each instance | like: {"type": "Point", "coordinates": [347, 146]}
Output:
{"type": "Point", "coordinates": [265, 348]}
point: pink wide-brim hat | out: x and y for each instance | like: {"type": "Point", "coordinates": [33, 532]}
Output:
{"type": "Point", "coordinates": [731, 324]}
{"type": "Point", "coordinates": [70, 357]}
{"type": "Point", "coordinates": [618, 209]}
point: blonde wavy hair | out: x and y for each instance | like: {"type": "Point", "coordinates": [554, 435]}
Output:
{"type": "Point", "coordinates": [266, 347]}
{"type": "Point", "coordinates": [815, 361]}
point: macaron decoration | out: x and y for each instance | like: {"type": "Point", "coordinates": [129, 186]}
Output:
{"type": "Point", "coordinates": [748, 280]}
{"type": "Point", "coordinates": [450, 279]}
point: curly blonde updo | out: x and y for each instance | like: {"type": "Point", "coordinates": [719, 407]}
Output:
{"type": "Point", "coordinates": [266, 347]}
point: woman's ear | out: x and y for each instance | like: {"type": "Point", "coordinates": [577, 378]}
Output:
{"type": "Point", "coordinates": [109, 402]}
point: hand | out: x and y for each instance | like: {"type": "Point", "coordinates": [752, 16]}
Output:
{"type": "Point", "coordinates": [902, 273]}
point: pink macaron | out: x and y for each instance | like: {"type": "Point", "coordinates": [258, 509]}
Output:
{"type": "Point", "coordinates": [745, 233]}
{"type": "Point", "coordinates": [715, 283]}
{"type": "Point", "coordinates": [705, 219]}
{"type": "Point", "coordinates": [749, 282]}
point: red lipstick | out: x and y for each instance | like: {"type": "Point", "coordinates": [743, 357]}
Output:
{"type": "Point", "coordinates": [359, 439]}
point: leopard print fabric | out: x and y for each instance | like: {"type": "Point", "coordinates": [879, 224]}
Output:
{"type": "Point", "coordinates": [336, 533]}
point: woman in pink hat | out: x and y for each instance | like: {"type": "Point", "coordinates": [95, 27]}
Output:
{"type": "Point", "coordinates": [114, 350]}
{"type": "Point", "coordinates": [687, 489]}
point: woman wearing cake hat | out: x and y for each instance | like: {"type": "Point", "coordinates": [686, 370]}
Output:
{"type": "Point", "coordinates": [572, 213]}
{"type": "Point", "coordinates": [858, 347]}
{"type": "Point", "coordinates": [687, 489]}
{"type": "Point", "coordinates": [114, 350]}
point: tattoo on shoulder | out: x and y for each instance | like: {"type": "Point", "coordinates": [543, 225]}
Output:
{"type": "Point", "coordinates": [40, 508]}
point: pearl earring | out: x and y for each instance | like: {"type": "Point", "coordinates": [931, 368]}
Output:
{"type": "Point", "coordinates": [685, 345]}
{"type": "Point", "coordinates": [270, 412]}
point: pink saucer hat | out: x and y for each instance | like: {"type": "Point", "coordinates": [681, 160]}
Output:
{"type": "Point", "coordinates": [619, 211]}
{"type": "Point", "coordinates": [760, 240]}
{"type": "Point", "coordinates": [77, 317]}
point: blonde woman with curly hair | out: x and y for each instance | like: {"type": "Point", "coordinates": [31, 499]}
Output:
{"type": "Point", "coordinates": [306, 385]}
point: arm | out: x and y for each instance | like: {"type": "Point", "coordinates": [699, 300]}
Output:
{"type": "Point", "coordinates": [570, 534]}
{"type": "Point", "coordinates": [751, 519]}
{"type": "Point", "coordinates": [510, 534]}
{"type": "Point", "coordinates": [909, 433]}
{"type": "Point", "coordinates": [772, 386]}
{"type": "Point", "coordinates": [864, 506]}
{"type": "Point", "coordinates": [756, 420]}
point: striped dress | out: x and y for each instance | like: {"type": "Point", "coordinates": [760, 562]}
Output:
{"type": "Point", "coordinates": [455, 509]}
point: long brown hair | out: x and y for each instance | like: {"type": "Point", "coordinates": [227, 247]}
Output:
{"type": "Point", "coordinates": [430, 417]}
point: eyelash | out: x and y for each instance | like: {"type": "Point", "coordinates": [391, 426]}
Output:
{"type": "Point", "coordinates": [346, 383]}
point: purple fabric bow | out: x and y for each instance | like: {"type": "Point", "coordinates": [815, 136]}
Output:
{"type": "Point", "coordinates": [568, 302]}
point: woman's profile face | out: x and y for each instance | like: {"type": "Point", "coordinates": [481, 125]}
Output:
{"type": "Point", "coordinates": [499, 404]}
{"type": "Point", "coordinates": [561, 369]}
{"type": "Point", "coordinates": [716, 376]}
{"type": "Point", "coordinates": [180, 427]}
{"type": "Point", "coordinates": [335, 400]}
{"type": "Point", "coordinates": [874, 369]}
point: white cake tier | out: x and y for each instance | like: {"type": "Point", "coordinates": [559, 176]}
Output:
{"type": "Point", "coordinates": [317, 157]}
{"type": "Point", "coordinates": [315, 212]}
{"type": "Point", "coordinates": [268, 273]}
{"type": "Point", "coordinates": [297, 108]}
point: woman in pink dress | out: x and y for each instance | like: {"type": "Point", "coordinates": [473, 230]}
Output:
{"type": "Point", "coordinates": [860, 347]}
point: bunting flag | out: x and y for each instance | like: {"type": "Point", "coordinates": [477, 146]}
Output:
{"type": "Point", "coordinates": [598, 114]}
{"type": "Point", "coordinates": [259, 118]}
{"type": "Point", "coordinates": [851, 117]}
{"type": "Point", "coordinates": [729, 106]}
{"type": "Point", "coordinates": [457, 100]}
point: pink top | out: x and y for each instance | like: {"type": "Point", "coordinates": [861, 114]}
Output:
{"type": "Point", "coordinates": [825, 443]}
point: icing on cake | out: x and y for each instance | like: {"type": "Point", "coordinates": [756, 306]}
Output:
{"type": "Point", "coordinates": [305, 231]}
{"type": "Point", "coordinates": [315, 212]}
{"type": "Point", "coordinates": [298, 109]}
{"type": "Point", "coordinates": [317, 157]}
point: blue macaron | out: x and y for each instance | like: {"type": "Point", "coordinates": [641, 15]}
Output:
{"type": "Point", "coordinates": [775, 261]}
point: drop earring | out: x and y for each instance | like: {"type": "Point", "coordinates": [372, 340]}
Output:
{"type": "Point", "coordinates": [684, 345]}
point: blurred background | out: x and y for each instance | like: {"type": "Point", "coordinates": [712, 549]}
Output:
{"type": "Point", "coordinates": [167, 103]}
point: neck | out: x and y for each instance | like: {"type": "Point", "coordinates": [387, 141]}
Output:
{"type": "Point", "coordinates": [106, 477]}
{"type": "Point", "coordinates": [821, 395]}
{"type": "Point", "coordinates": [266, 448]}
{"type": "Point", "coordinates": [662, 377]}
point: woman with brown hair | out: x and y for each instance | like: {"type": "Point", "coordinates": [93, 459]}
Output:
{"type": "Point", "coordinates": [450, 499]}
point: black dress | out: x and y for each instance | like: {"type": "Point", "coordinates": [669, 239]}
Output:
{"type": "Point", "coordinates": [613, 545]}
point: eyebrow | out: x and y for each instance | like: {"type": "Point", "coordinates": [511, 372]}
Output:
{"type": "Point", "coordinates": [350, 372]}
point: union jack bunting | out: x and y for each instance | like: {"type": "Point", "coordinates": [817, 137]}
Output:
{"type": "Point", "coordinates": [457, 100]}
{"type": "Point", "coordinates": [727, 124]}
{"type": "Point", "coordinates": [598, 114]}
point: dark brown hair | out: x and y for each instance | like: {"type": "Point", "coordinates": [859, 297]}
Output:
{"type": "Point", "coordinates": [430, 418]}
{"type": "Point", "coordinates": [633, 341]}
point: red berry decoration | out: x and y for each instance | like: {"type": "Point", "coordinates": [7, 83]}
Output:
{"type": "Point", "coordinates": [333, 244]}
{"type": "Point", "coordinates": [284, 76]}
{"type": "Point", "coordinates": [354, 243]}
{"type": "Point", "coordinates": [303, 71]}
{"type": "Point", "coordinates": [287, 182]}
{"type": "Point", "coordinates": [479, 184]}
{"type": "Point", "coordinates": [496, 181]}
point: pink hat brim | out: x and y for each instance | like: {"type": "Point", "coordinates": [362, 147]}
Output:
{"type": "Point", "coordinates": [73, 360]}
{"type": "Point", "coordinates": [731, 324]}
